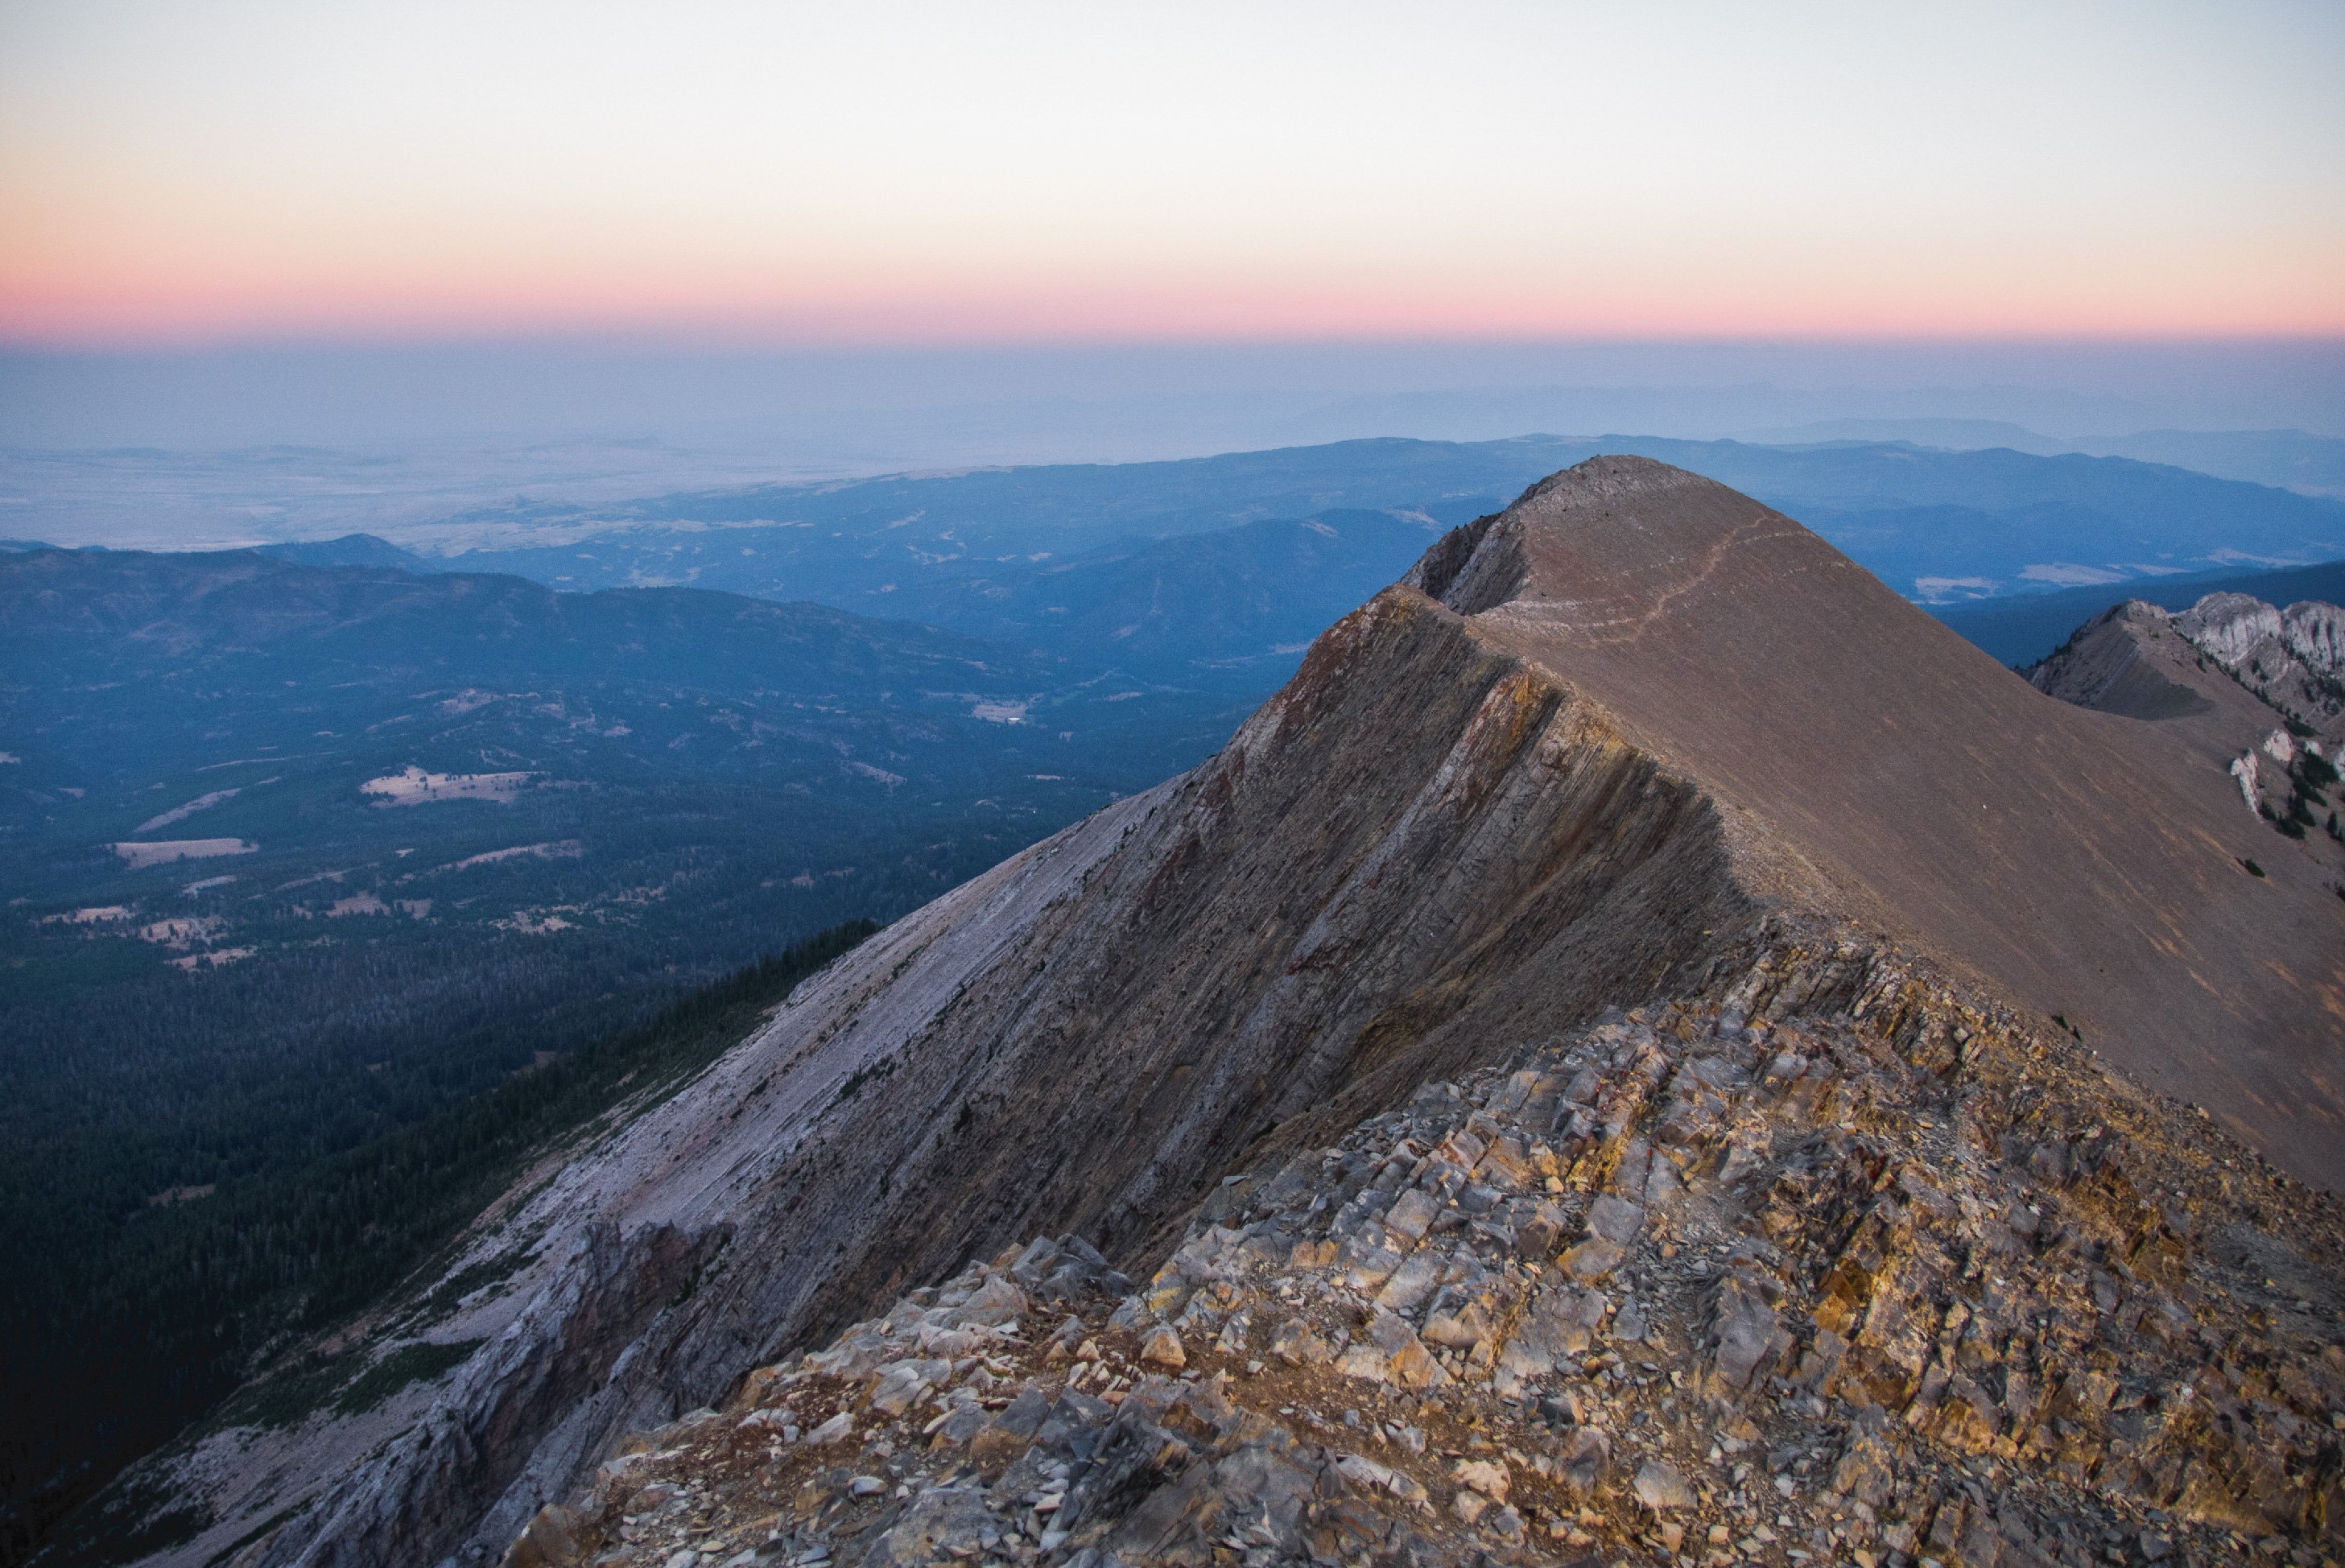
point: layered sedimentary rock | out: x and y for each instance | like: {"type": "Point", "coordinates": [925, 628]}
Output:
{"type": "Point", "coordinates": [1596, 751]}
{"type": "Point", "coordinates": [2293, 658]}
{"type": "Point", "coordinates": [1818, 1261]}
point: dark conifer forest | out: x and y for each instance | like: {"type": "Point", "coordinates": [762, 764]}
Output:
{"type": "Point", "coordinates": [117, 1331]}
{"type": "Point", "coordinates": [278, 1019]}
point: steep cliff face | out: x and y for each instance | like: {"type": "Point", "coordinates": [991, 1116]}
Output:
{"type": "Point", "coordinates": [1582, 757]}
{"type": "Point", "coordinates": [2293, 658]}
{"type": "Point", "coordinates": [2141, 661]}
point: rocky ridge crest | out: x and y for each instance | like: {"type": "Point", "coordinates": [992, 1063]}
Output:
{"type": "Point", "coordinates": [1824, 1263]}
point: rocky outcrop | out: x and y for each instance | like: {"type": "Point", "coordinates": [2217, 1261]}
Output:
{"type": "Point", "coordinates": [2292, 658]}
{"type": "Point", "coordinates": [1820, 1265]}
{"type": "Point", "coordinates": [1594, 754]}
{"type": "Point", "coordinates": [2315, 633]}
{"type": "Point", "coordinates": [2181, 673]}
{"type": "Point", "coordinates": [2230, 626]}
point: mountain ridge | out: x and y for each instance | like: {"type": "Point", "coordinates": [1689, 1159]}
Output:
{"type": "Point", "coordinates": [1475, 818]}
{"type": "Point", "coordinates": [1893, 671]}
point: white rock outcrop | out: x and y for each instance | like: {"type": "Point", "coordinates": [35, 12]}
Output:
{"type": "Point", "coordinates": [2230, 627]}
{"type": "Point", "coordinates": [2315, 633]}
{"type": "Point", "coordinates": [2294, 659]}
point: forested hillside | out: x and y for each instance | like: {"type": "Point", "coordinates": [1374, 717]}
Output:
{"type": "Point", "coordinates": [114, 1336]}
{"type": "Point", "coordinates": [297, 864]}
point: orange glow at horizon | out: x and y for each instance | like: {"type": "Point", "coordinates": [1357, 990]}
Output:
{"type": "Point", "coordinates": [94, 317]}
{"type": "Point", "coordinates": [913, 174]}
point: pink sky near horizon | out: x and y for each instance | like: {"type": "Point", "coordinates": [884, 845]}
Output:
{"type": "Point", "coordinates": [325, 301]}
{"type": "Point", "coordinates": [257, 169]}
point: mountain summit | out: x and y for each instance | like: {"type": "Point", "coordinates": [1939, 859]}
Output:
{"type": "Point", "coordinates": [2092, 867]}
{"type": "Point", "coordinates": [1341, 1009]}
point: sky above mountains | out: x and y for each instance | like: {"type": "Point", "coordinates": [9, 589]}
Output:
{"type": "Point", "coordinates": [926, 174]}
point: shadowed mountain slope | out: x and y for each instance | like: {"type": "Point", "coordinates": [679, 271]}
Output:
{"type": "Point", "coordinates": [2130, 661]}
{"type": "Point", "coordinates": [1627, 740]}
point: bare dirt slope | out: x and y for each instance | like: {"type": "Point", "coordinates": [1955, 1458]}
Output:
{"type": "Point", "coordinates": [2091, 865]}
{"type": "Point", "coordinates": [1596, 753]}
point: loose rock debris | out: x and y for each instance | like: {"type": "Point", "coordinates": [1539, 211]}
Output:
{"type": "Point", "coordinates": [1894, 1282]}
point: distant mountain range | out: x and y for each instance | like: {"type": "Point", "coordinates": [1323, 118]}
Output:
{"type": "Point", "coordinates": [2024, 629]}
{"type": "Point", "coordinates": [1228, 608]}
{"type": "Point", "coordinates": [2291, 459]}
{"type": "Point", "coordinates": [132, 664]}
{"type": "Point", "coordinates": [1214, 570]}
{"type": "Point", "coordinates": [2017, 629]}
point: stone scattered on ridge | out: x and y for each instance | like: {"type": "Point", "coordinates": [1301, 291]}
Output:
{"type": "Point", "coordinates": [1897, 1281]}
